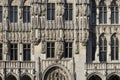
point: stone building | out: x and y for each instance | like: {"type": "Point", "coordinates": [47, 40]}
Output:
{"type": "Point", "coordinates": [59, 40]}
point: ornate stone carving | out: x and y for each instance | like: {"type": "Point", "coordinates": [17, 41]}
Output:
{"type": "Point", "coordinates": [43, 47]}
{"type": "Point", "coordinates": [6, 2]}
{"type": "Point", "coordinates": [83, 10]}
{"type": "Point", "coordinates": [42, 10]}
{"type": "Point", "coordinates": [60, 49]}
{"type": "Point", "coordinates": [60, 9]}
{"type": "Point", "coordinates": [20, 12]}
{"type": "Point", "coordinates": [6, 48]}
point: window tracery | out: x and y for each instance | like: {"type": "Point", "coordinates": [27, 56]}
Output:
{"type": "Point", "coordinates": [102, 13]}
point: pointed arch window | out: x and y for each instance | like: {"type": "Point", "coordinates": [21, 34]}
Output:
{"type": "Point", "coordinates": [114, 47]}
{"type": "Point", "coordinates": [114, 13]}
{"type": "Point", "coordinates": [102, 13]}
{"type": "Point", "coordinates": [102, 48]}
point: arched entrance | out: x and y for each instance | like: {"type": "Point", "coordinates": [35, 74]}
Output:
{"type": "Point", "coordinates": [95, 77]}
{"type": "Point", "coordinates": [11, 77]}
{"type": "Point", "coordinates": [56, 73]}
{"type": "Point", "coordinates": [0, 78]}
{"type": "Point", "coordinates": [25, 77]}
{"type": "Point", "coordinates": [114, 77]}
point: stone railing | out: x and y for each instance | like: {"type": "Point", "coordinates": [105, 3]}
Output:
{"type": "Point", "coordinates": [102, 66]}
{"type": "Point", "coordinates": [17, 64]}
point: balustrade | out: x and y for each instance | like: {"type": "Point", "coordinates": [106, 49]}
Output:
{"type": "Point", "coordinates": [17, 64]}
{"type": "Point", "coordinates": [102, 66]}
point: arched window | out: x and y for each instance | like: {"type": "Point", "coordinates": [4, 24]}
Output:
{"type": "Point", "coordinates": [114, 12]}
{"type": "Point", "coordinates": [102, 13]}
{"type": "Point", "coordinates": [114, 47]}
{"type": "Point", "coordinates": [102, 48]}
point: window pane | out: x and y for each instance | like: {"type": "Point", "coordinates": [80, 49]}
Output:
{"type": "Point", "coordinates": [102, 49]}
{"type": "Point", "coordinates": [68, 12]}
{"type": "Point", "coordinates": [51, 11]}
{"type": "Point", "coordinates": [112, 17]}
{"type": "Point", "coordinates": [70, 53]}
{"type": "Point", "coordinates": [68, 50]}
{"type": "Point", "coordinates": [52, 53]}
{"type": "Point", "coordinates": [112, 53]}
{"type": "Point", "coordinates": [100, 18]}
{"type": "Point", "coordinates": [114, 48]}
{"type": "Point", "coordinates": [102, 13]}
{"type": "Point", "coordinates": [13, 52]}
{"type": "Point", "coordinates": [26, 14]}
{"type": "Point", "coordinates": [0, 51]}
{"type": "Point", "coordinates": [50, 50]}
{"type": "Point", "coordinates": [116, 53]}
{"type": "Point", "coordinates": [13, 14]}
{"type": "Point", "coordinates": [1, 13]}
{"type": "Point", "coordinates": [117, 17]}
{"type": "Point", "coordinates": [26, 52]}
{"type": "Point", "coordinates": [105, 17]}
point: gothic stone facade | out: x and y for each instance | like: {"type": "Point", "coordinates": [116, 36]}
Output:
{"type": "Point", "coordinates": [59, 40]}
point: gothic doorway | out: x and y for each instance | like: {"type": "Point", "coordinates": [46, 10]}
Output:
{"type": "Point", "coordinates": [11, 77]}
{"type": "Point", "coordinates": [95, 77]}
{"type": "Point", "coordinates": [114, 77]}
{"type": "Point", "coordinates": [25, 77]}
{"type": "Point", "coordinates": [56, 73]}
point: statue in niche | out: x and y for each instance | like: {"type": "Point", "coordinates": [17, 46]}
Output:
{"type": "Point", "coordinates": [84, 9]}
{"type": "Point", "coordinates": [42, 10]}
{"type": "Point", "coordinates": [43, 46]}
{"type": "Point", "coordinates": [6, 48]}
{"type": "Point", "coordinates": [6, 12]}
{"type": "Point", "coordinates": [20, 12]}
{"type": "Point", "coordinates": [32, 10]}
{"type": "Point", "coordinates": [59, 13]}
{"type": "Point", "coordinates": [59, 50]}
{"type": "Point", "coordinates": [60, 10]}
{"type": "Point", "coordinates": [76, 47]}
{"type": "Point", "coordinates": [32, 49]}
